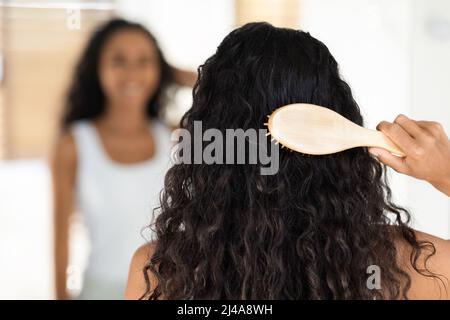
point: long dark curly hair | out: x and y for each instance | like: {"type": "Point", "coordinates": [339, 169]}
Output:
{"type": "Point", "coordinates": [85, 98]}
{"type": "Point", "coordinates": [308, 232]}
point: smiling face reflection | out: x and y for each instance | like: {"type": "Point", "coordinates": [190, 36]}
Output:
{"type": "Point", "coordinates": [129, 69]}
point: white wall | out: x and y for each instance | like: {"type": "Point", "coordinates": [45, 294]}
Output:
{"type": "Point", "coordinates": [430, 98]}
{"type": "Point", "coordinates": [393, 66]}
{"type": "Point", "coordinates": [25, 230]}
{"type": "Point", "coordinates": [188, 31]}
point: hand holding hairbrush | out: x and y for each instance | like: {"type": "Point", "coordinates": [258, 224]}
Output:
{"type": "Point", "coordinates": [317, 130]}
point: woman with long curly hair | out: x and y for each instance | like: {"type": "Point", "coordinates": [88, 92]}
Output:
{"type": "Point", "coordinates": [112, 153]}
{"type": "Point", "coordinates": [313, 230]}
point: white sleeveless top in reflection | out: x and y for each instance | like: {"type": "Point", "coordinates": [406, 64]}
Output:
{"type": "Point", "coordinates": [116, 202]}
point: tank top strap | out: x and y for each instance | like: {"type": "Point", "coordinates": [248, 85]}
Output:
{"type": "Point", "coordinates": [163, 142]}
{"type": "Point", "coordinates": [88, 149]}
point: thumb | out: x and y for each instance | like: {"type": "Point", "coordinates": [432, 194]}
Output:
{"type": "Point", "coordinates": [384, 156]}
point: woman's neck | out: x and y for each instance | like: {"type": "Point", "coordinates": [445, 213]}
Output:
{"type": "Point", "coordinates": [124, 120]}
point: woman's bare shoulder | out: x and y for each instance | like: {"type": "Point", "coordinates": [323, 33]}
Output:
{"type": "Point", "coordinates": [63, 163]}
{"type": "Point", "coordinates": [423, 287]}
{"type": "Point", "coordinates": [136, 286]}
{"type": "Point", "coordinates": [64, 148]}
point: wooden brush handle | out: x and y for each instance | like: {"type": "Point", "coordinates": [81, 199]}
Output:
{"type": "Point", "coordinates": [375, 138]}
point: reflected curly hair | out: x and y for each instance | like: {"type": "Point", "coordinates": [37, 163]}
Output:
{"type": "Point", "coordinates": [308, 232]}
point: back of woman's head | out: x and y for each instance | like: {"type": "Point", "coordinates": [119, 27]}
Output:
{"type": "Point", "coordinates": [315, 228]}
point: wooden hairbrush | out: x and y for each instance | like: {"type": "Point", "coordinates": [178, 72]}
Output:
{"type": "Point", "coordinates": [312, 129]}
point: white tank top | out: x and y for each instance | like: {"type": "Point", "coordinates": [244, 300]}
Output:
{"type": "Point", "coordinates": [116, 202]}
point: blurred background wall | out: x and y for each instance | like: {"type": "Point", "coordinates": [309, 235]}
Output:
{"type": "Point", "coordinates": [394, 54]}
